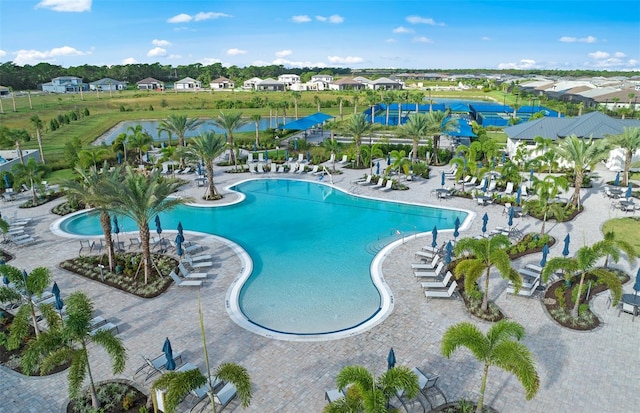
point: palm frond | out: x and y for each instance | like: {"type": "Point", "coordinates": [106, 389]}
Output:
{"type": "Point", "coordinates": [467, 335]}
{"type": "Point", "coordinates": [114, 347]}
{"type": "Point", "coordinates": [516, 358]}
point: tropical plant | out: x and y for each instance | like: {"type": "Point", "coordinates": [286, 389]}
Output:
{"type": "Point", "coordinates": [139, 139]}
{"type": "Point", "coordinates": [179, 384]}
{"type": "Point", "coordinates": [30, 172]}
{"type": "Point", "coordinates": [26, 287]}
{"type": "Point", "coordinates": [485, 254]}
{"type": "Point", "coordinates": [496, 348]}
{"type": "Point", "coordinates": [69, 340]}
{"type": "Point", "coordinates": [358, 127]}
{"type": "Point", "coordinates": [333, 147]}
{"type": "Point", "coordinates": [230, 122]}
{"type": "Point", "coordinates": [37, 124]}
{"type": "Point", "coordinates": [415, 128]}
{"type": "Point", "coordinates": [93, 190]}
{"type": "Point", "coordinates": [256, 118]}
{"type": "Point", "coordinates": [369, 394]}
{"type": "Point", "coordinates": [206, 148]}
{"type": "Point", "coordinates": [141, 198]}
{"type": "Point", "coordinates": [612, 246]}
{"type": "Point", "coordinates": [582, 264]}
{"type": "Point", "coordinates": [629, 141]}
{"type": "Point", "coordinates": [91, 157]}
{"type": "Point", "coordinates": [417, 97]}
{"type": "Point", "coordinates": [547, 190]}
{"type": "Point", "coordinates": [388, 98]}
{"type": "Point", "coordinates": [178, 125]}
{"type": "Point", "coordinates": [399, 162]}
{"type": "Point", "coordinates": [296, 95]}
{"type": "Point", "coordinates": [439, 123]}
{"type": "Point", "coordinates": [582, 154]}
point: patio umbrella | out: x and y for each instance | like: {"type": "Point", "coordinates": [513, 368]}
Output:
{"type": "Point", "coordinates": [485, 219]}
{"type": "Point", "coordinates": [180, 233]}
{"type": "Point", "coordinates": [119, 156]}
{"type": "Point", "coordinates": [168, 352]}
{"type": "Point", "coordinates": [636, 286]}
{"type": "Point", "coordinates": [199, 169]}
{"type": "Point", "coordinates": [179, 245]}
{"type": "Point", "coordinates": [266, 155]}
{"type": "Point", "coordinates": [442, 178]}
{"type": "Point", "coordinates": [449, 251]}
{"type": "Point", "coordinates": [147, 156]}
{"type": "Point", "coordinates": [447, 257]}
{"type": "Point", "coordinates": [5, 280]}
{"type": "Point", "coordinates": [434, 233]}
{"type": "Point", "coordinates": [545, 251]}
{"type": "Point", "coordinates": [616, 181]}
{"type": "Point", "coordinates": [567, 240]}
{"type": "Point", "coordinates": [511, 215]}
{"type": "Point", "coordinates": [449, 247]}
{"type": "Point", "coordinates": [255, 147]}
{"type": "Point", "coordinates": [158, 226]}
{"type": "Point", "coordinates": [378, 168]}
{"type": "Point", "coordinates": [389, 159]}
{"type": "Point", "coordinates": [308, 156]}
{"type": "Point", "coordinates": [55, 290]}
{"type": "Point", "coordinates": [456, 227]}
{"type": "Point", "coordinates": [6, 181]}
{"type": "Point", "coordinates": [391, 359]}
{"type": "Point", "coordinates": [116, 228]}
{"type": "Point", "coordinates": [504, 157]}
{"type": "Point", "coordinates": [626, 195]}
{"type": "Point", "coordinates": [286, 155]}
{"type": "Point", "coordinates": [484, 186]}
{"type": "Point", "coordinates": [531, 175]}
{"type": "Point", "coordinates": [295, 144]}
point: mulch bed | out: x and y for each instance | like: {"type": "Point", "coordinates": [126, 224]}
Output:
{"type": "Point", "coordinates": [4, 255]}
{"type": "Point", "coordinates": [134, 402]}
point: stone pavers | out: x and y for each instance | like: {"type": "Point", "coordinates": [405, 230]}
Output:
{"type": "Point", "coordinates": [579, 371]}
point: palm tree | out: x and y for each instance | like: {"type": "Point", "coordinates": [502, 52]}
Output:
{"type": "Point", "coordinates": [91, 157]}
{"type": "Point", "coordinates": [178, 125]}
{"type": "Point", "coordinates": [256, 118]}
{"type": "Point", "coordinates": [400, 161]}
{"type": "Point", "coordinates": [388, 98]}
{"type": "Point", "coordinates": [417, 97]}
{"type": "Point", "coordinates": [37, 123]}
{"type": "Point", "coordinates": [486, 253]}
{"type": "Point", "coordinates": [372, 395]}
{"type": "Point", "coordinates": [27, 287]}
{"type": "Point", "coordinates": [206, 148]}
{"type": "Point", "coordinates": [439, 122]}
{"type": "Point", "coordinates": [612, 246]}
{"type": "Point", "coordinates": [583, 155]}
{"type": "Point", "coordinates": [317, 101]}
{"type": "Point", "coordinates": [139, 139]}
{"type": "Point", "coordinates": [372, 100]}
{"type": "Point", "coordinates": [585, 262]}
{"type": "Point", "coordinates": [30, 172]}
{"type": "Point", "coordinates": [547, 190]}
{"type": "Point", "coordinates": [296, 96]}
{"type": "Point", "coordinates": [179, 384]}
{"type": "Point", "coordinates": [357, 126]}
{"type": "Point", "coordinates": [230, 122]}
{"type": "Point", "coordinates": [629, 141]}
{"type": "Point", "coordinates": [93, 190]}
{"type": "Point", "coordinates": [496, 348]}
{"type": "Point", "coordinates": [69, 340]}
{"type": "Point", "coordinates": [416, 128]}
{"type": "Point", "coordinates": [141, 198]}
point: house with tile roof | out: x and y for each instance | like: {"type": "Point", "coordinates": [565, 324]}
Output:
{"type": "Point", "coordinates": [384, 83]}
{"type": "Point", "coordinates": [346, 83]}
{"type": "Point", "coordinates": [188, 83]}
{"type": "Point", "coordinates": [221, 83]}
{"type": "Point", "coordinates": [250, 84]}
{"type": "Point", "coordinates": [150, 83]}
{"type": "Point", "coordinates": [270, 85]}
{"type": "Point", "coordinates": [107, 84]}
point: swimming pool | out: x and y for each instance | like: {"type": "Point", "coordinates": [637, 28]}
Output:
{"type": "Point", "coordinates": [311, 246]}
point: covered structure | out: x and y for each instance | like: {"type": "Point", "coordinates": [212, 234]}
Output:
{"type": "Point", "coordinates": [307, 123]}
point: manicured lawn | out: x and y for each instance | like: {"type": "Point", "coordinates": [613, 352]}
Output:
{"type": "Point", "coordinates": [625, 228]}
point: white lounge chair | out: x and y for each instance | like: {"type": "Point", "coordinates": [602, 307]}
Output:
{"type": "Point", "coordinates": [196, 264]}
{"type": "Point", "coordinates": [472, 182]}
{"type": "Point", "coordinates": [428, 273]}
{"type": "Point", "coordinates": [261, 157]}
{"type": "Point", "coordinates": [300, 168]}
{"type": "Point", "coordinates": [508, 190]}
{"type": "Point", "coordinates": [184, 283]}
{"type": "Point", "coordinates": [260, 168]}
{"type": "Point", "coordinates": [388, 186]}
{"type": "Point", "coordinates": [86, 244]}
{"type": "Point", "coordinates": [281, 169]}
{"type": "Point", "coordinates": [465, 180]}
{"type": "Point", "coordinates": [492, 186]}
{"type": "Point", "coordinates": [379, 184]}
{"type": "Point", "coordinates": [438, 284]}
{"type": "Point", "coordinates": [188, 275]}
{"type": "Point", "coordinates": [529, 287]}
{"type": "Point", "coordinates": [274, 167]}
{"type": "Point", "coordinates": [252, 168]}
{"type": "Point", "coordinates": [224, 396]}
{"type": "Point", "coordinates": [365, 181]}
{"type": "Point", "coordinates": [314, 170]}
{"type": "Point", "coordinates": [104, 327]}
{"type": "Point", "coordinates": [442, 293]}
{"type": "Point", "coordinates": [344, 161]}
{"type": "Point", "coordinates": [301, 158]}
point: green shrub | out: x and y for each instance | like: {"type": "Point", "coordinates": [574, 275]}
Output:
{"type": "Point", "coordinates": [559, 293]}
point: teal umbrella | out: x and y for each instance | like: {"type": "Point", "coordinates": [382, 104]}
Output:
{"type": "Point", "coordinates": [168, 352]}
{"type": "Point", "coordinates": [158, 225]}
{"type": "Point", "coordinates": [485, 219]}
{"type": "Point", "coordinates": [434, 233]}
{"type": "Point", "coordinates": [456, 228]}
{"type": "Point", "coordinates": [545, 251]}
{"type": "Point", "coordinates": [511, 215]}
{"type": "Point", "coordinates": [626, 195]}
{"type": "Point", "coordinates": [180, 232]}
{"type": "Point", "coordinates": [179, 245]}
{"type": "Point", "coordinates": [442, 178]}
{"type": "Point", "coordinates": [565, 250]}
{"type": "Point", "coordinates": [518, 195]}
{"type": "Point", "coordinates": [636, 286]}
{"type": "Point", "coordinates": [616, 182]}
{"type": "Point", "coordinates": [391, 359]}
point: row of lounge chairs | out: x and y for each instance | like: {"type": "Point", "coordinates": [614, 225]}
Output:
{"type": "Point", "coordinates": [531, 277]}
{"type": "Point", "coordinates": [380, 185]}
{"type": "Point", "coordinates": [191, 277]}
{"type": "Point", "coordinates": [18, 234]}
{"type": "Point", "coordinates": [432, 269]}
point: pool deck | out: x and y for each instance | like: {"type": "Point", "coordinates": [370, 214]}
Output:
{"type": "Point", "coordinates": [579, 371]}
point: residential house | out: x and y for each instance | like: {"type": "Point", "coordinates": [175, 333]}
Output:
{"type": "Point", "coordinates": [250, 84]}
{"type": "Point", "coordinates": [150, 84]}
{"type": "Point", "coordinates": [64, 84]}
{"type": "Point", "coordinates": [384, 84]}
{"type": "Point", "coordinates": [270, 85]}
{"type": "Point", "coordinates": [4, 91]}
{"type": "Point", "coordinates": [187, 83]}
{"type": "Point", "coordinates": [107, 84]}
{"type": "Point", "coordinates": [222, 83]}
{"type": "Point", "coordinates": [346, 83]}
{"type": "Point", "coordinates": [289, 79]}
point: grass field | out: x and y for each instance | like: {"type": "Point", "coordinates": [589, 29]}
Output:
{"type": "Point", "coordinates": [625, 228]}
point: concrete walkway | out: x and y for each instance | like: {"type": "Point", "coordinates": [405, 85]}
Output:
{"type": "Point", "coordinates": [579, 371]}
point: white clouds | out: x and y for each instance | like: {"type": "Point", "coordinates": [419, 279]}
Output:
{"type": "Point", "coordinates": [619, 55]}
{"type": "Point", "coordinates": [485, 38]}
{"type": "Point", "coordinates": [301, 19]}
{"type": "Point", "coordinates": [283, 53]}
{"type": "Point", "coordinates": [157, 52]}
{"type": "Point", "coordinates": [402, 29]}
{"type": "Point", "coordinates": [174, 56]}
{"type": "Point", "coordinates": [129, 61]}
{"type": "Point", "coordinates": [605, 60]}
{"type": "Point", "coordinates": [569, 39]}
{"type": "Point", "coordinates": [210, 60]}
{"type": "Point", "coordinates": [235, 52]}
{"type": "Point", "coordinates": [334, 18]}
{"type": "Point", "coordinates": [160, 43]}
{"type": "Point", "coordinates": [3, 53]}
{"type": "Point", "coordinates": [522, 64]}
{"type": "Point", "coordinates": [599, 55]}
{"type": "Point", "coordinates": [345, 60]}
{"type": "Point", "coordinates": [423, 20]}
{"type": "Point", "coordinates": [24, 57]}
{"type": "Point", "coordinates": [297, 63]}
{"type": "Point", "coordinates": [77, 6]}
{"type": "Point", "coordinates": [390, 40]}
{"type": "Point", "coordinates": [186, 18]}
{"type": "Point", "coordinates": [422, 39]}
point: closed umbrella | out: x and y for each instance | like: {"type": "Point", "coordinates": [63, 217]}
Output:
{"type": "Point", "coordinates": [567, 240]}
{"type": "Point", "coordinates": [531, 175]}
{"type": "Point", "coordinates": [255, 147]}
{"type": "Point", "coordinates": [456, 228]}
{"type": "Point", "coordinates": [636, 286]}
{"type": "Point", "coordinates": [180, 232]}
{"type": "Point", "coordinates": [616, 182]}
{"type": "Point", "coordinates": [434, 233]}
{"type": "Point", "coordinates": [308, 156]}
{"type": "Point", "coordinates": [626, 195]}
{"type": "Point", "coordinates": [449, 247]}
{"type": "Point", "coordinates": [286, 155]}
{"type": "Point", "coordinates": [378, 168]}
{"type": "Point", "coordinates": [485, 219]}
{"type": "Point", "coordinates": [518, 195]}
{"type": "Point", "coordinates": [545, 251]}
{"type": "Point", "coordinates": [116, 230]}
{"type": "Point", "coordinates": [442, 178]}
{"type": "Point", "coordinates": [119, 156]}
{"type": "Point", "coordinates": [5, 280]}
{"type": "Point", "coordinates": [158, 225]}
{"type": "Point", "coordinates": [389, 159]}
{"type": "Point", "coordinates": [504, 157]}
{"type": "Point", "coordinates": [266, 155]}
{"type": "Point", "coordinates": [179, 245]}
{"type": "Point", "coordinates": [55, 290]}
{"type": "Point", "coordinates": [147, 156]}
{"type": "Point", "coordinates": [168, 352]}
{"type": "Point", "coordinates": [448, 252]}
{"type": "Point", "coordinates": [485, 184]}
{"type": "Point", "coordinates": [391, 359]}
{"type": "Point", "coordinates": [511, 215]}
{"type": "Point", "coordinates": [6, 181]}
{"type": "Point", "coordinates": [199, 169]}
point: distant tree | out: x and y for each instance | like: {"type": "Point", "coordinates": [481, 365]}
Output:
{"type": "Point", "coordinates": [31, 172]}
{"type": "Point", "coordinates": [178, 125]}
{"type": "Point", "coordinates": [37, 124]}
{"type": "Point", "coordinates": [416, 128]}
{"type": "Point", "coordinates": [206, 148]}
{"type": "Point", "coordinates": [230, 122]}
{"type": "Point", "coordinates": [439, 123]}
{"type": "Point", "coordinates": [629, 141]}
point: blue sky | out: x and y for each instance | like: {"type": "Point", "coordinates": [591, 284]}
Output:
{"type": "Point", "coordinates": [418, 34]}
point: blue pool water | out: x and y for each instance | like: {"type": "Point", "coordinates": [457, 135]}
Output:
{"type": "Point", "coordinates": [311, 247]}
{"type": "Point", "coordinates": [151, 127]}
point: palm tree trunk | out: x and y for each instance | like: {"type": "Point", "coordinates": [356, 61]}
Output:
{"type": "Point", "coordinates": [19, 151]}
{"type": "Point", "coordinates": [574, 310]}
{"type": "Point", "coordinates": [257, 134]}
{"type": "Point", "coordinates": [575, 199]}
{"type": "Point", "coordinates": [212, 188]}
{"type": "Point", "coordinates": [105, 222]}
{"type": "Point", "coordinates": [146, 252]}
{"type": "Point", "coordinates": [485, 296]}
{"type": "Point", "coordinates": [34, 318]}
{"type": "Point", "coordinates": [415, 150]}
{"type": "Point", "coordinates": [95, 403]}
{"type": "Point", "coordinates": [232, 155]}
{"type": "Point", "coordinates": [33, 191]}
{"type": "Point", "coordinates": [628, 157]}
{"type": "Point", "coordinates": [483, 386]}
{"type": "Point", "coordinates": [544, 219]}
{"type": "Point", "coordinates": [340, 108]}
{"type": "Point", "coordinates": [39, 137]}
{"type": "Point", "coordinates": [436, 141]}
{"type": "Point", "coordinates": [358, 155]}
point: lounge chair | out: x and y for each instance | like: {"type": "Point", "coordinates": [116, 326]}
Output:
{"type": "Point", "coordinates": [202, 392]}
{"type": "Point", "coordinates": [388, 186]}
{"type": "Point", "coordinates": [186, 170]}
{"type": "Point", "coordinates": [135, 243]}
{"type": "Point", "coordinates": [86, 244]}
{"type": "Point", "coordinates": [156, 365]}
{"type": "Point", "coordinates": [430, 273]}
{"type": "Point", "coordinates": [492, 186]}
{"type": "Point", "coordinates": [274, 168]}
{"type": "Point", "coordinates": [430, 265]}
{"type": "Point", "coordinates": [442, 293]}
{"type": "Point", "coordinates": [260, 157]}
{"type": "Point", "coordinates": [333, 395]}
{"type": "Point", "coordinates": [260, 168]}
{"type": "Point", "coordinates": [508, 190]}
{"type": "Point", "coordinates": [104, 327]}
{"type": "Point", "coordinates": [224, 396]}
{"type": "Point", "coordinates": [314, 170]}
{"type": "Point", "coordinates": [438, 284]}
{"type": "Point", "coordinates": [481, 184]}
{"type": "Point", "coordinates": [198, 258]}
{"type": "Point", "coordinates": [24, 241]}
{"type": "Point", "coordinates": [184, 283]}
{"type": "Point", "coordinates": [301, 158]}
{"type": "Point", "coordinates": [379, 184]}
{"type": "Point", "coordinates": [465, 180]}
{"type": "Point", "coordinates": [250, 158]}
{"type": "Point", "coordinates": [188, 247]}
{"type": "Point", "coordinates": [529, 286]}
{"type": "Point", "coordinates": [281, 169]}
{"type": "Point", "coordinates": [344, 161]}
{"type": "Point", "coordinates": [196, 264]}
{"type": "Point", "coordinates": [366, 181]}
{"type": "Point", "coordinates": [185, 273]}
{"type": "Point", "coordinates": [300, 168]}
{"type": "Point", "coordinates": [252, 168]}
{"type": "Point", "coordinates": [428, 382]}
